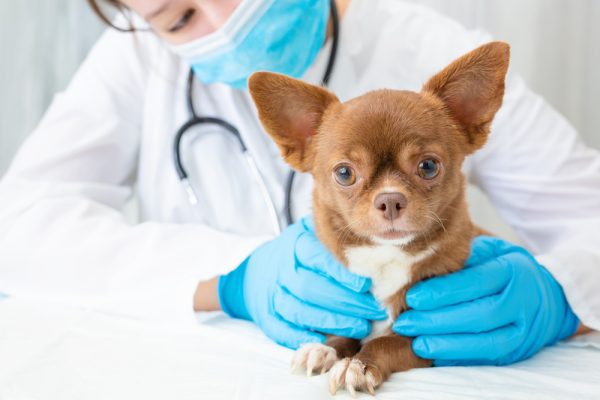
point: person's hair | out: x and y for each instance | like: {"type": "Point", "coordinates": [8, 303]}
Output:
{"type": "Point", "coordinates": [116, 4]}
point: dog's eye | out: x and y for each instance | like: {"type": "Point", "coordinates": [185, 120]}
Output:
{"type": "Point", "coordinates": [344, 175]}
{"type": "Point", "coordinates": [429, 168]}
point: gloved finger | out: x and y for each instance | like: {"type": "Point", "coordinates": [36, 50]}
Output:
{"type": "Point", "coordinates": [484, 248]}
{"type": "Point", "coordinates": [463, 363]}
{"type": "Point", "coordinates": [488, 346]}
{"type": "Point", "coordinates": [326, 293]}
{"type": "Point", "coordinates": [307, 316]}
{"type": "Point", "coordinates": [289, 335]}
{"type": "Point", "coordinates": [312, 254]}
{"type": "Point", "coordinates": [458, 287]}
{"type": "Point", "coordinates": [475, 316]}
{"type": "Point", "coordinates": [308, 222]}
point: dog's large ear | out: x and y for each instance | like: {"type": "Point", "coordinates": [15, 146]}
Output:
{"type": "Point", "coordinates": [291, 112]}
{"type": "Point", "coordinates": [472, 89]}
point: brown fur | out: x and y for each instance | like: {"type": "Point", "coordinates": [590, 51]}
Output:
{"type": "Point", "coordinates": [383, 135]}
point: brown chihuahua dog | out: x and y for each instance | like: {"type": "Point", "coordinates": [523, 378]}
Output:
{"type": "Point", "coordinates": [389, 194]}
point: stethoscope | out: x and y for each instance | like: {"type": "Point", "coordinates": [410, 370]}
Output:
{"type": "Point", "coordinates": [196, 120]}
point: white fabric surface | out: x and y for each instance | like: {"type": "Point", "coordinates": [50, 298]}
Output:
{"type": "Point", "coordinates": [51, 352]}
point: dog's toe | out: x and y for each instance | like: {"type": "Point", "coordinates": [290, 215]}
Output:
{"type": "Point", "coordinates": [314, 357]}
{"type": "Point", "coordinates": [337, 377]}
{"type": "Point", "coordinates": [355, 376]}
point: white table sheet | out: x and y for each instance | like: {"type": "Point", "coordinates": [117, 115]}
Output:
{"type": "Point", "coordinates": [54, 352]}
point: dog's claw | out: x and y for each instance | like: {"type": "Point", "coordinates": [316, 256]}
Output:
{"type": "Point", "coordinates": [332, 388]}
{"type": "Point", "coordinates": [350, 388]}
{"type": "Point", "coordinates": [337, 377]}
{"type": "Point", "coordinates": [372, 380]}
{"type": "Point", "coordinates": [370, 388]}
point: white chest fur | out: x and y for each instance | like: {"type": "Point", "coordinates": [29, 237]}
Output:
{"type": "Point", "coordinates": [390, 269]}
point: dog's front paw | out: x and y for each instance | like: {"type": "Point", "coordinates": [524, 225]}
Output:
{"type": "Point", "coordinates": [314, 357]}
{"type": "Point", "coordinates": [355, 375]}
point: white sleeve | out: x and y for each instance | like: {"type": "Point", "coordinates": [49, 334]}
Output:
{"type": "Point", "coordinates": [545, 183]}
{"type": "Point", "coordinates": [63, 236]}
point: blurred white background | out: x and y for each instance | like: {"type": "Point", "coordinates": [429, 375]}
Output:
{"type": "Point", "coordinates": [555, 46]}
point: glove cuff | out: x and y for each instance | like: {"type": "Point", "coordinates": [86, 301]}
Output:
{"type": "Point", "coordinates": [231, 292]}
{"type": "Point", "coordinates": [571, 322]}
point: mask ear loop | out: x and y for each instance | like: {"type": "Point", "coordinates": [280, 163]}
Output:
{"type": "Point", "coordinates": [335, 18]}
{"type": "Point", "coordinates": [324, 82]}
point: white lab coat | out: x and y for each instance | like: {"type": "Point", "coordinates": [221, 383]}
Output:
{"type": "Point", "coordinates": [109, 136]}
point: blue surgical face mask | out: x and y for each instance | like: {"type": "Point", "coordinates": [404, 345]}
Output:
{"type": "Point", "coordinates": [282, 36]}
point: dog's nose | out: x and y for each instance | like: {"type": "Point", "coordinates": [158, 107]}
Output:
{"type": "Point", "coordinates": [391, 204]}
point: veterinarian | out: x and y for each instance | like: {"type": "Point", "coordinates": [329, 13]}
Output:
{"type": "Point", "coordinates": [210, 202]}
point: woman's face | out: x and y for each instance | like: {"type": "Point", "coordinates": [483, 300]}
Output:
{"type": "Point", "coordinates": [180, 21]}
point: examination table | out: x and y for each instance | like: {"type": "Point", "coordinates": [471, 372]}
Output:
{"type": "Point", "coordinates": [56, 352]}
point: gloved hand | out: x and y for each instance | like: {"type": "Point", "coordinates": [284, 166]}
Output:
{"type": "Point", "coordinates": [502, 308]}
{"type": "Point", "coordinates": [293, 288]}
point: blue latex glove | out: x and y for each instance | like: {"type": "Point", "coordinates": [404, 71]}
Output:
{"type": "Point", "coordinates": [294, 289]}
{"type": "Point", "coordinates": [502, 308]}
